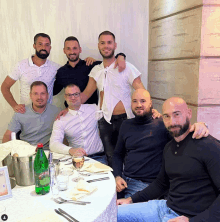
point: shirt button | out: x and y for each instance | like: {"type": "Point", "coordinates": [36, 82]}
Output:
{"type": "Point", "coordinates": [177, 145]}
{"type": "Point", "coordinates": [175, 152]}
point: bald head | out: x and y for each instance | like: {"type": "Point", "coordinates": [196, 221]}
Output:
{"type": "Point", "coordinates": [176, 116]}
{"type": "Point", "coordinates": [141, 103]}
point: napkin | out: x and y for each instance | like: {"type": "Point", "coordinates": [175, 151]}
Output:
{"type": "Point", "coordinates": [48, 216]}
{"type": "Point", "coordinates": [82, 189]}
{"type": "Point", "coordinates": [96, 167]}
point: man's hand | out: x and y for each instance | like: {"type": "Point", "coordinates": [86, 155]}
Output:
{"type": "Point", "coordinates": [200, 130]}
{"type": "Point", "coordinates": [20, 108]}
{"type": "Point", "coordinates": [120, 184]}
{"type": "Point", "coordinates": [77, 151]}
{"type": "Point", "coordinates": [124, 201]}
{"type": "Point", "coordinates": [179, 219]}
{"type": "Point", "coordinates": [62, 113]}
{"type": "Point", "coordinates": [89, 61]}
{"type": "Point", "coordinates": [120, 63]}
{"type": "Point", "coordinates": [156, 114]}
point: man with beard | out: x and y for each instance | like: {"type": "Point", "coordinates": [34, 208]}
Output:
{"type": "Point", "coordinates": [35, 68]}
{"type": "Point", "coordinates": [140, 146]}
{"type": "Point", "coordinates": [37, 122]}
{"type": "Point", "coordinates": [190, 170]}
{"type": "Point", "coordinates": [76, 71]}
{"type": "Point", "coordinates": [115, 92]}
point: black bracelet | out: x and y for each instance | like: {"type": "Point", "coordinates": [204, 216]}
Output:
{"type": "Point", "coordinates": [122, 54]}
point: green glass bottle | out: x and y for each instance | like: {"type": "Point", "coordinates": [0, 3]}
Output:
{"type": "Point", "coordinates": [41, 172]}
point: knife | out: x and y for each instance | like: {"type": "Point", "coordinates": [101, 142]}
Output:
{"type": "Point", "coordinates": [99, 179]}
{"type": "Point", "coordinates": [64, 212]}
{"type": "Point", "coordinates": [58, 212]}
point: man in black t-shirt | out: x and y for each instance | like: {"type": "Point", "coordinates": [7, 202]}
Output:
{"type": "Point", "coordinates": [190, 170]}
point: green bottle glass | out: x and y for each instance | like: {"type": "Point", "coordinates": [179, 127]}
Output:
{"type": "Point", "coordinates": [41, 172]}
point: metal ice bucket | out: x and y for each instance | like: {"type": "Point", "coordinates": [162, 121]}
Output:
{"type": "Point", "coordinates": [24, 170]}
{"type": "Point", "coordinates": [8, 162]}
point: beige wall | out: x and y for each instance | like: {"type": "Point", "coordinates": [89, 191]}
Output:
{"type": "Point", "coordinates": [21, 20]}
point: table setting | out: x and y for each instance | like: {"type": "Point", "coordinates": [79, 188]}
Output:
{"type": "Point", "coordinates": [82, 191]}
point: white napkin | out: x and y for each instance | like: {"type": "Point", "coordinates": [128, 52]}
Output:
{"type": "Point", "coordinates": [81, 189]}
{"type": "Point", "coordinates": [96, 167]}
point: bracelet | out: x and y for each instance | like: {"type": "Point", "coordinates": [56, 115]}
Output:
{"type": "Point", "coordinates": [122, 54]}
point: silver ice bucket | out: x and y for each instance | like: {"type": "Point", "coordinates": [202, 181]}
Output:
{"type": "Point", "coordinates": [8, 162]}
{"type": "Point", "coordinates": [24, 170]}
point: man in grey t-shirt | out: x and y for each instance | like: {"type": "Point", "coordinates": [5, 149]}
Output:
{"type": "Point", "coordinates": [37, 122]}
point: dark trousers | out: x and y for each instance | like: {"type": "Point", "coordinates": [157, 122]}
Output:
{"type": "Point", "coordinates": [109, 134]}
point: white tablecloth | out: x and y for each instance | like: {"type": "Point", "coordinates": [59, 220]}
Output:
{"type": "Point", "coordinates": [25, 203]}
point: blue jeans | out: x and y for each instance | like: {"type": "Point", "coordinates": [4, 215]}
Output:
{"type": "Point", "coordinates": [133, 187]}
{"type": "Point", "coordinates": [101, 159]}
{"type": "Point", "coordinates": [151, 211]}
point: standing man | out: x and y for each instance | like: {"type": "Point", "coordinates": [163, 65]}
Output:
{"type": "Point", "coordinates": [114, 92]}
{"type": "Point", "coordinates": [37, 122]}
{"type": "Point", "coordinates": [35, 68]}
{"type": "Point", "coordinates": [190, 170]}
{"type": "Point", "coordinates": [76, 71]}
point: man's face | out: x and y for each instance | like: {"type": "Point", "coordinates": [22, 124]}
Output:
{"type": "Point", "coordinates": [141, 104]}
{"type": "Point", "coordinates": [72, 97]}
{"type": "Point", "coordinates": [42, 47]}
{"type": "Point", "coordinates": [107, 46]}
{"type": "Point", "coordinates": [39, 96]}
{"type": "Point", "coordinates": [72, 50]}
{"type": "Point", "coordinates": [176, 118]}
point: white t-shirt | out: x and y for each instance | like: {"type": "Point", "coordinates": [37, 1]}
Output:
{"type": "Point", "coordinates": [27, 72]}
{"type": "Point", "coordinates": [117, 86]}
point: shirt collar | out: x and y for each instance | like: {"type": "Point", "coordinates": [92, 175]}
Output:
{"type": "Point", "coordinates": [78, 64]}
{"type": "Point", "coordinates": [31, 106]}
{"type": "Point", "coordinates": [75, 112]}
{"type": "Point", "coordinates": [32, 64]}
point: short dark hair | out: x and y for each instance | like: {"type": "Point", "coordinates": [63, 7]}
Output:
{"type": "Point", "coordinates": [41, 35]}
{"type": "Point", "coordinates": [38, 83]}
{"type": "Point", "coordinates": [71, 38]}
{"type": "Point", "coordinates": [107, 33]}
{"type": "Point", "coordinates": [71, 85]}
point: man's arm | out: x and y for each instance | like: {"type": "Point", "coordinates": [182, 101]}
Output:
{"type": "Point", "coordinates": [137, 83]}
{"type": "Point", "coordinates": [5, 88]}
{"type": "Point", "coordinates": [7, 136]}
{"type": "Point", "coordinates": [89, 90]}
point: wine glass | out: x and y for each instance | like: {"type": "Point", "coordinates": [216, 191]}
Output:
{"type": "Point", "coordinates": [78, 162]}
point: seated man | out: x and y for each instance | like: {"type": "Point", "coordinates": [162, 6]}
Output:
{"type": "Point", "coordinates": [79, 126]}
{"type": "Point", "coordinates": [140, 146]}
{"type": "Point", "coordinates": [36, 123]}
{"type": "Point", "coordinates": [190, 170]}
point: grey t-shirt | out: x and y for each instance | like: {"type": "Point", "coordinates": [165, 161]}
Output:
{"type": "Point", "coordinates": [35, 127]}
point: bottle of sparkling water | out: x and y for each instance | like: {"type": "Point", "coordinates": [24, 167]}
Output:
{"type": "Point", "coordinates": [41, 172]}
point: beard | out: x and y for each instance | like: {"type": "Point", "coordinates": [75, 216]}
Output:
{"type": "Point", "coordinates": [109, 56]}
{"type": "Point", "coordinates": [42, 56]}
{"type": "Point", "coordinates": [144, 116]}
{"type": "Point", "coordinates": [73, 60]}
{"type": "Point", "coordinates": [182, 129]}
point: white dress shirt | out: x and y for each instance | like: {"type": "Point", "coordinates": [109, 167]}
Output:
{"type": "Point", "coordinates": [27, 72]}
{"type": "Point", "coordinates": [116, 86]}
{"type": "Point", "coordinates": [81, 130]}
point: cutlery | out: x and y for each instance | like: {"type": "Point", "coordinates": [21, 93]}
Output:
{"type": "Point", "coordinates": [87, 174]}
{"type": "Point", "coordinates": [99, 179]}
{"type": "Point", "coordinates": [73, 201]}
{"type": "Point", "coordinates": [61, 202]}
{"type": "Point", "coordinates": [63, 160]}
{"type": "Point", "coordinates": [58, 212]}
{"type": "Point", "coordinates": [64, 212]}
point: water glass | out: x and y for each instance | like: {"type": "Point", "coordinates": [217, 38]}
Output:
{"type": "Point", "coordinates": [62, 180]}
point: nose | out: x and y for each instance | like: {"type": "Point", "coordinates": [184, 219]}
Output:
{"type": "Point", "coordinates": [139, 104]}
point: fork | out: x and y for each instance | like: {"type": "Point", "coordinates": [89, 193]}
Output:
{"type": "Point", "coordinates": [73, 201]}
{"type": "Point", "coordinates": [60, 202]}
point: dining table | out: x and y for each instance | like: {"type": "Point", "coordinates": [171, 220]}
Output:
{"type": "Point", "coordinates": [25, 205]}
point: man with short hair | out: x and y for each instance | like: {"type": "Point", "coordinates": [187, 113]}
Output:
{"type": "Point", "coordinates": [114, 92]}
{"type": "Point", "coordinates": [36, 123]}
{"type": "Point", "coordinates": [138, 154]}
{"type": "Point", "coordinates": [190, 170]}
{"type": "Point", "coordinates": [35, 68]}
{"type": "Point", "coordinates": [80, 128]}
{"type": "Point", "coordinates": [76, 71]}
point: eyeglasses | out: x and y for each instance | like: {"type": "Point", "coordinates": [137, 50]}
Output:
{"type": "Point", "coordinates": [74, 94]}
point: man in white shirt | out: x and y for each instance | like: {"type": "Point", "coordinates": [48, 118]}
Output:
{"type": "Point", "coordinates": [115, 92]}
{"type": "Point", "coordinates": [80, 128]}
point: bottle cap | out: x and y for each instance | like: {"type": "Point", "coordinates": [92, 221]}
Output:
{"type": "Point", "coordinates": [40, 145]}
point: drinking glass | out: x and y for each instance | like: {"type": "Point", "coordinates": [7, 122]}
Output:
{"type": "Point", "coordinates": [78, 162]}
{"type": "Point", "coordinates": [63, 180]}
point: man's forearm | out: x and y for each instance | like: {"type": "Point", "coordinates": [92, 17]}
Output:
{"type": "Point", "coordinates": [8, 97]}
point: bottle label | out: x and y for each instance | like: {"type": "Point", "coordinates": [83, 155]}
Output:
{"type": "Point", "coordinates": [42, 179]}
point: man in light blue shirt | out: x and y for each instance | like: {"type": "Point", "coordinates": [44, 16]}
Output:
{"type": "Point", "coordinates": [37, 122]}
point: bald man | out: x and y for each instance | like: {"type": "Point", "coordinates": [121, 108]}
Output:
{"type": "Point", "coordinates": [190, 170]}
{"type": "Point", "coordinates": [140, 146]}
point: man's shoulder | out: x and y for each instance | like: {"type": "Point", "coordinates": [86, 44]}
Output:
{"type": "Point", "coordinates": [89, 107]}
{"type": "Point", "coordinates": [98, 67]}
{"type": "Point", "coordinates": [53, 108]}
{"type": "Point", "coordinates": [53, 64]}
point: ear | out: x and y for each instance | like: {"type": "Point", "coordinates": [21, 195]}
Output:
{"type": "Point", "coordinates": [80, 49]}
{"type": "Point", "coordinates": [189, 113]}
{"type": "Point", "coordinates": [115, 45]}
{"type": "Point", "coordinates": [34, 45]}
{"type": "Point", "coordinates": [64, 50]}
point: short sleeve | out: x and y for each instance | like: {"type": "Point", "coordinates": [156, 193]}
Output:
{"type": "Point", "coordinates": [132, 72]}
{"type": "Point", "coordinates": [16, 73]}
{"type": "Point", "coordinates": [15, 125]}
{"type": "Point", "coordinates": [95, 72]}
